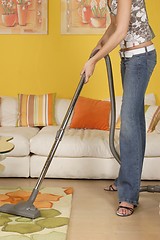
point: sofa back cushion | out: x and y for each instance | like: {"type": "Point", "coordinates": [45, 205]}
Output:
{"type": "Point", "coordinates": [157, 128]}
{"type": "Point", "coordinates": [8, 111]}
{"type": "Point", "coordinates": [62, 104]}
{"type": "Point", "coordinates": [61, 107]}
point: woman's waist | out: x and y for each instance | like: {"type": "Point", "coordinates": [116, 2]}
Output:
{"type": "Point", "coordinates": [142, 48]}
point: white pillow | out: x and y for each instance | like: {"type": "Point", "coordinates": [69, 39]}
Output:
{"type": "Point", "coordinates": [118, 106]}
{"type": "Point", "coordinates": [9, 111]}
{"type": "Point", "coordinates": [61, 107]}
{"type": "Point", "coordinates": [157, 128]}
{"type": "Point", "coordinates": [150, 99]}
{"type": "Point", "coordinates": [118, 100]}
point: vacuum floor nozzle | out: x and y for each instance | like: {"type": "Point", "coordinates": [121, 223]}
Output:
{"type": "Point", "coordinates": [23, 209]}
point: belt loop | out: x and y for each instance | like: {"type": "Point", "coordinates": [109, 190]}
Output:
{"type": "Point", "coordinates": [122, 54]}
{"type": "Point", "coordinates": [146, 50]}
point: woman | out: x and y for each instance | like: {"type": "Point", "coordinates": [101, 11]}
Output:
{"type": "Point", "coordinates": [129, 27]}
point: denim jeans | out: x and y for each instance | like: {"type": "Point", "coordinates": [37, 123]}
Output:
{"type": "Point", "coordinates": [136, 72]}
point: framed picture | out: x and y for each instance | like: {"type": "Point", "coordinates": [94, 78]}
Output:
{"type": "Point", "coordinates": [84, 16]}
{"type": "Point", "coordinates": [23, 16]}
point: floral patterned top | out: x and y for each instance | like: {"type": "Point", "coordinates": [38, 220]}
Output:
{"type": "Point", "coordinates": [139, 30]}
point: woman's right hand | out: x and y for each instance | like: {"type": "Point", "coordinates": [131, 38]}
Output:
{"type": "Point", "coordinates": [88, 69]}
{"type": "Point", "coordinates": [89, 66]}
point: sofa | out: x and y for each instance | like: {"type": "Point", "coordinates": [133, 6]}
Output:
{"type": "Point", "coordinates": [83, 153]}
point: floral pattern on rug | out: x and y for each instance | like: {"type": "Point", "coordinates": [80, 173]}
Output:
{"type": "Point", "coordinates": [54, 205]}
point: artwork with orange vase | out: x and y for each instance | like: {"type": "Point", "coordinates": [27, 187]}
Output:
{"type": "Point", "coordinates": [23, 16]}
{"type": "Point", "coordinates": [84, 16]}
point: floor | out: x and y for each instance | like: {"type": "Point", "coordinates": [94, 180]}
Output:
{"type": "Point", "coordinates": [93, 211]}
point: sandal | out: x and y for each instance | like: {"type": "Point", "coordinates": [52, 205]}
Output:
{"type": "Point", "coordinates": [111, 188]}
{"type": "Point", "coordinates": [131, 210]}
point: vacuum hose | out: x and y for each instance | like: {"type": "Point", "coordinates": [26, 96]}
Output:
{"type": "Point", "coordinates": [113, 109]}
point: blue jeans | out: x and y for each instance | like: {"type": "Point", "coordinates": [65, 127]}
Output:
{"type": "Point", "coordinates": [136, 72]}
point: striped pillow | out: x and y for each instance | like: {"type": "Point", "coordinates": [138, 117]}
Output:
{"type": "Point", "coordinates": [36, 110]}
{"type": "Point", "coordinates": [152, 117]}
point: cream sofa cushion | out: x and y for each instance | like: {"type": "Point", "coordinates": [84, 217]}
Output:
{"type": "Point", "coordinates": [61, 107]}
{"type": "Point", "coordinates": [75, 143]}
{"type": "Point", "coordinates": [150, 99]}
{"type": "Point", "coordinates": [84, 143]}
{"type": "Point", "coordinates": [157, 128]}
{"type": "Point", "coordinates": [152, 145]}
{"type": "Point", "coordinates": [21, 139]}
{"type": "Point", "coordinates": [16, 167]}
{"type": "Point", "coordinates": [8, 111]}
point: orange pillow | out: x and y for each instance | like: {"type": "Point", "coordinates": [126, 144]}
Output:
{"type": "Point", "coordinates": [91, 114]}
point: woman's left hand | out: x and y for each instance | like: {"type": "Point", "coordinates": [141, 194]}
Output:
{"type": "Point", "coordinates": [88, 69]}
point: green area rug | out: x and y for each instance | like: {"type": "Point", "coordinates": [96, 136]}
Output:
{"type": "Point", "coordinates": [54, 205]}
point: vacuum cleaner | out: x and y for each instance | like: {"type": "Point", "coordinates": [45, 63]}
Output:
{"type": "Point", "coordinates": [27, 208]}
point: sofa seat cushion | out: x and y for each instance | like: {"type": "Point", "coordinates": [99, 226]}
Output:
{"type": "Point", "coordinates": [16, 167]}
{"type": "Point", "coordinates": [21, 139]}
{"type": "Point", "coordinates": [75, 143]}
{"type": "Point", "coordinates": [152, 145]}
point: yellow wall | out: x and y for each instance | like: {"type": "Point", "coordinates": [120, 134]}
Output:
{"type": "Point", "coordinates": [52, 63]}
